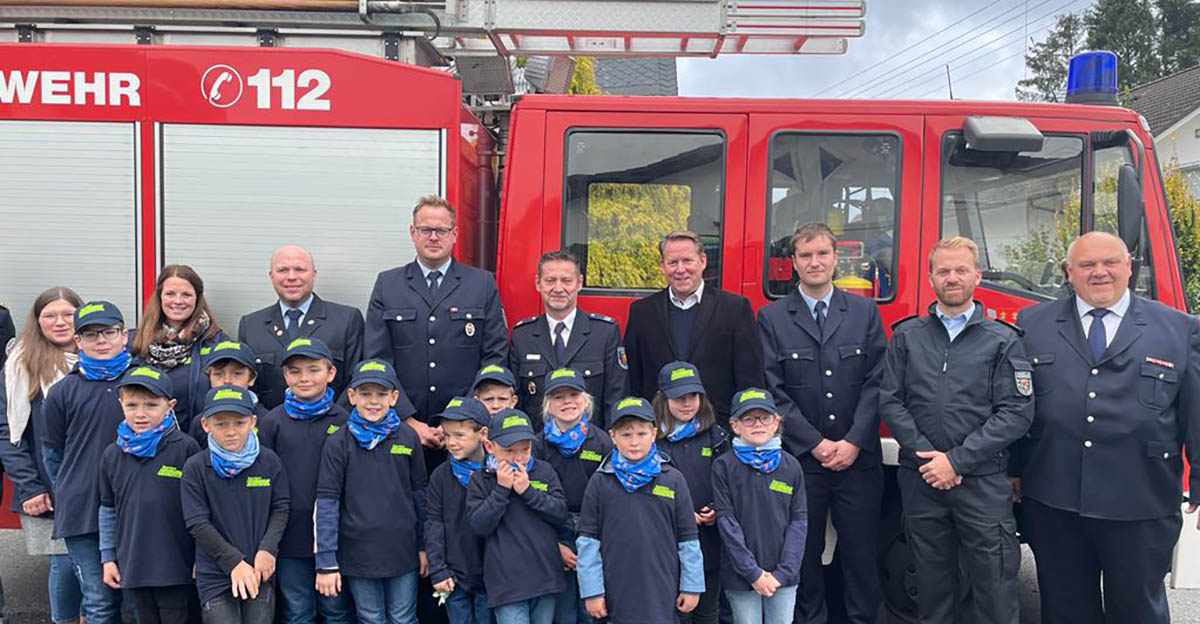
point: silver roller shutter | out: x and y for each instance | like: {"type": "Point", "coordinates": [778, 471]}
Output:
{"type": "Point", "coordinates": [232, 194]}
{"type": "Point", "coordinates": [68, 212]}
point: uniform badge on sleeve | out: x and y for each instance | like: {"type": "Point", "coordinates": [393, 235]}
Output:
{"type": "Point", "coordinates": [1024, 382]}
{"type": "Point", "coordinates": [622, 359]}
{"type": "Point", "coordinates": [469, 329]}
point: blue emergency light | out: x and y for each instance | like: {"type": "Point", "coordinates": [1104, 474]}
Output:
{"type": "Point", "coordinates": [1092, 78]}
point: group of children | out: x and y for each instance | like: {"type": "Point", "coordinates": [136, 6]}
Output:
{"type": "Point", "coordinates": [332, 513]}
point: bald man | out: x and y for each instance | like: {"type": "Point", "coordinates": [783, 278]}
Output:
{"type": "Point", "coordinates": [299, 313]}
{"type": "Point", "coordinates": [1116, 379]}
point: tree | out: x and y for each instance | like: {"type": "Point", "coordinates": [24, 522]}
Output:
{"type": "Point", "coordinates": [1129, 29]}
{"type": "Point", "coordinates": [625, 222]}
{"type": "Point", "coordinates": [583, 79]}
{"type": "Point", "coordinates": [1179, 42]}
{"type": "Point", "coordinates": [1047, 61]}
{"type": "Point", "coordinates": [1185, 217]}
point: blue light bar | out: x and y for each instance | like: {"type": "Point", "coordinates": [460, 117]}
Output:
{"type": "Point", "coordinates": [1092, 78]}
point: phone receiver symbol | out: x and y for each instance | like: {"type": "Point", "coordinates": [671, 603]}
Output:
{"type": "Point", "coordinates": [214, 93]}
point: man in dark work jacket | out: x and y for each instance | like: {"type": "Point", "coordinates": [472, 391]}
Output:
{"type": "Point", "coordinates": [691, 322]}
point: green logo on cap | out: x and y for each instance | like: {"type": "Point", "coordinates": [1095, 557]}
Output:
{"type": "Point", "coordinates": [454, 403]}
{"type": "Point", "coordinates": [746, 395]}
{"type": "Point", "coordinates": [490, 368]}
{"type": "Point", "coordinates": [562, 372]}
{"type": "Point", "coordinates": [514, 421]}
{"type": "Point", "coordinates": [145, 371]}
{"type": "Point", "coordinates": [228, 344]}
{"type": "Point", "coordinates": [631, 401]}
{"type": "Point", "coordinates": [88, 309]}
{"type": "Point", "coordinates": [373, 366]}
{"type": "Point", "coordinates": [299, 342]}
{"type": "Point", "coordinates": [227, 394]}
{"type": "Point", "coordinates": [682, 373]}
{"type": "Point", "coordinates": [780, 486]}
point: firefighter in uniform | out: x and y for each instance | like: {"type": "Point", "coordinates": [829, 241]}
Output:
{"type": "Point", "coordinates": [823, 351]}
{"type": "Point", "coordinates": [435, 319]}
{"type": "Point", "coordinates": [957, 390]}
{"type": "Point", "coordinates": [566, 337]}
{"type": "Point", "coordinates": [1118, 389]}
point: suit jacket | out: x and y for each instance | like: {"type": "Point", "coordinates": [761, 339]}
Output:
{"type": "Point", "coordinates": [8, 332]}
{"type": "Point", "coordinates": [724, 346]}
{"type": "Point", "coordinates": [1107, 434]}
{"type": "Point", "coordinates": [339, 326]}
{"type": "Point", "coordinates": [436, 341]}
{"type": "Point", "coordinates": [826, 386]}
{"type": "Point", "coordinates": [592, 350]}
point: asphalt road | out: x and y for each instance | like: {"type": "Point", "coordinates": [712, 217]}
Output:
{"type": "Point", "coordinates": [25, 587]}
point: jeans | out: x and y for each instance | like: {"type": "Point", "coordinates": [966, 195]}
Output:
{"type": "Point", "coordinates": [225, 609]}
{"type": "Point", "coordinates": [299, 599]}
{"type": "Point", "coordinates": [101, 603]}
{"type": "Point", "coordinates": [63, 588]}
{"type": "Point", "coordinates": [538, 610]}
{"type": "Point", "coordinates": [568, 606]}
{"type": "Point", "coordinates": [391, 600]}
{"type": "Point", "coordinates": [750, 608]}
{"type": "Point", "coordinates": [467, 607]}
{"type": "Point", "coordinates": [172, 604]}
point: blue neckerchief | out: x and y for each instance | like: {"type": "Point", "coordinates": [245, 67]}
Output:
{"type": "Point", "coordinates": [144, 444]}
{"type": "Point", "coordinates": [567, 442]}
{"type": "Point", "coordinates": [229, 463]}
{"type": "Point", "coordinates": [96, 369]}
{"type": "Point", "coordinates": [304, 410]}
{"type": "Point", "coordinates": [683, 431]}
{"type": "Point", "coordinates": [634, 475]}
{"type": "Point", "coordinates": [462, 469]}
{"type": "Point", "coordinates": [369, 434]}
{"type": "Point", "coordinates": [764, 459]}
{"type": "Point", "coordinates": [492, 464]}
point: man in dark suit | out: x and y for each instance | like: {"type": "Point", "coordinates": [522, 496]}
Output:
{"type": "Point", "coordinates": [299, 313]}
{"type": "Point", "coordinates": [823, 352]}
{"type": "Point", "coordinates": [687, 321]}
{"type": "Point", "coordinates": [1117, 379]}
{"type": "Point", "coordinates": [566, 337]}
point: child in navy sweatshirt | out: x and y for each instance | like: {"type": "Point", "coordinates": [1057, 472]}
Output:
{"type": "Point", "coordinates": [574, 447]}
{"type": "Point", "coordinates": [144, 543]}
{"type": "Point", "coordinates": [455, 552]}
{"type": "Point", "coordinates": [296, 430]}
{"type": "Point", "coordinates": [639, 555]}
{"type": "Point", "coordinates": [233, 363]}
{"type": "Point", "coordinates": [517, 505]}
{"type": "Point", "coordinates": [688, 435]}
{"type": "Point", "coordinates": [762, 513]}
{"type": "Point", "coordinates": [235, 504]}
{"type": "Point", "coordinates": [370, 509]}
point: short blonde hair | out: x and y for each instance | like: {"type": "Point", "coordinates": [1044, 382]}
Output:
{"type": "Point", "coordinates": [589, 404]}
{"type": "Point", "coordinates": [435, 201]}
{"type": "Point", "coordinates": [955, 242]}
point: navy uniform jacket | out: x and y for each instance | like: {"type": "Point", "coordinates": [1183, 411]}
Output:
{"type": "Point", "coordinates": [7, 332]}
{"type": "Point", "coordinates": [592, 350]}
{"type": "Point", "coordinates": [1115, 455]}
{"type": "Point", "coordinates": [825, 387]}
{"type": "Point", "coordinates": [339, 326]}
{"type": "Point", "coordinates": [436, 344]}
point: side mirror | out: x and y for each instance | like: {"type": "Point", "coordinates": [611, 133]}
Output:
{"type": "Point", "coordinates": [1130, 207]}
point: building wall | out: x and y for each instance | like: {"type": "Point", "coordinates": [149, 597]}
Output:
{"type": "Point", "coordinates": [1183, 144]}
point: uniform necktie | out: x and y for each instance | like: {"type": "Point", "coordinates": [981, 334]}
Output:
{"type": "Point", "coordinates": [434, 278]}
{"type": "Point", "coordinates": [560, 346]}
{"type": "Point", "coordinates": [819, 312]}
{"type": "Point", "coordinates": [293, 327]}
{"type": "Point", "coordinates": [1097, 338]}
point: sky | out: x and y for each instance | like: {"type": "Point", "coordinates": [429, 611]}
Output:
{"type": "Point", "coordinates": [902, 54]}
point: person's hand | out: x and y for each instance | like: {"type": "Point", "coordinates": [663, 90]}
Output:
{"type": "Point", "coordinates": [37, 505]}
{"type": "Point", "coordinates": [264, 565]}
{"type": "Point", "coordinates": [329, 584]}
{"type": "Point", "coordinates": [846, 453]}
{"type": "Point", "coordinates": [569, 558]}
{"type": "Point", "coordinates": [595, 607]}
{"type": "Point", "coordinates": [422, 564]}
{"type": "Point", "coordinates": [429, 436]}
{"type": "Point", "coordinates": [938, 472]}
{"type": "Point", "coordinates": [244, 580]}
{"type": "Point", "coordinates": [825, 451]}
{"type": "Point", "coordinates": [706, 516]}
{"type": "Point", "coordinates": [520, 479]}
{"type": "Point", "coordinates": [1016, 486]}
{"type": "Point", "coordinates": [766, 585]}
{"type": "Point", "coordinates": [112, 575]}
{"type": "Point", "coordinates": [505, 475]}
{"type": "Point", "coordinates": [686, 602]}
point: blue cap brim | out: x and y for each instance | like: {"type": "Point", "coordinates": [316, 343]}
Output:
{"type": "Point", "coordinates": [221, 409]}
{"type": "Point", "coordinates": [674, 392]}
{"type": "Point", "coordinates": [509, 438]}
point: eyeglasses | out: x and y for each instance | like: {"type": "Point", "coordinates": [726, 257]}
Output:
{"type": "Point", "coordinates": [428, 232]}
{"type": "Point", "coordinates": [757, 419]}
{"type": "Point", "coordinates": [92, 335]}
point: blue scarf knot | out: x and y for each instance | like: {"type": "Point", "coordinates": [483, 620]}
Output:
{"type": "Point", "coordinates": [683, 431]}
{"type": "Point", "coordinates": [462, 469]}
{"type": "Point", "coordinates": [492, 464]}
{"type": "Point", "coordinates": [304, 410]}
{"type": "Point", "coordinates": [144, 444]}
{"type": "Point", "coordinates": [633, 475]}
{"type": "Point", "coordinates": [764, 459]}
{"type": "Point", "coordinates": [98, 369]}
{"type": "Point", "coordinates": [567, 442]}
{"type": "Point", "coordinates": [228, 464]}
{"type": "Point", "coordinates": [369, 434]}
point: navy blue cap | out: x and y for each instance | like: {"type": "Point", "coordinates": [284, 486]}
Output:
{"type": "Point", "coordinates": [228, 350]}
{"type": "Point", "coordinates": [97, 313]}
{"type": "Point", "coordinates": [495, 372]}
{"type": "Point", "coordinates": [313, 348]}
{"type": "Point", "coordinates": [679, 378]}
{"type": "Point", "coordinates": [150, 378]}
{"type": "Point", "coordinates": [463, 408]}
{"type": "Point", "coordinates": [228, 398]}
{"type": "Point", "coordinates": [376, 372]}
{"type": "Point", "coordinates": [510, 426]}
{"type": "Point", "coordinates": [633, 407]}
{"type": "Point", "coordinates": [751, 399]}
{"type": "Point", "coordinates": [564, 378]}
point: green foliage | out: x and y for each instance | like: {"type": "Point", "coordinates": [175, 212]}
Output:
{"type": "Point", "coordinates": [1185, 217]}
{"type": "Point", "coordinates": [1128, 28]}
{"type": "Point", "coordinates": [583, 80]}
{"type": "Point", "coordinates": [1047, 61]}
{"type": "Point", "coordinates": [1046, 245]}
{"type": "Point", "coordinates": [1179, 25]}
{"type": "Point", "coordinates": [625, 223]}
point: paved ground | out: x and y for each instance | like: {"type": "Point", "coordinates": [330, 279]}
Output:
{"type": "Point", "coordinates": [25, 587]}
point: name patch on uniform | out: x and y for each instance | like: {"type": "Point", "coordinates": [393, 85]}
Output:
{"type": "Point", "coordinates": [663, 491]}
{"type": "Point", "coordinates": [170, 471]}
{"type": "Point", "coordinates": [1160, 362]}
{"type": "Point", "coordinates": [1024, 382]}
{"type": "Point", "coordinates": [538, 485]}
{"type": "Point", "coordinates": [400, 449]}
{"type": "Point", "coordinates": [705, 451]}
{"type": "Point", "coordinates": [533, 356]}
{"type": "Point", "coordinates": [258, 482]}
{"type": "Point", "coordinates": [331, 429]}
{"type": "Point", "coordinates": [780, 486]}
{"type": "Point", "coordinates": [591, 456]}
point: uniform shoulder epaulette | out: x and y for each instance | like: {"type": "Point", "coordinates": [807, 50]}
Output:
{"type": "Point", "coordinates": [904, 320]}
{"type": "Point", "coordinates": [602, 317]}
{"type": "Point", "coordinates": [526, 321]}
{"type": "Point", "coordinates": [1013, 326]}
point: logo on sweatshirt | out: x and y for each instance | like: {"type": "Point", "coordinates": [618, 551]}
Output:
{"type": "Point", "coordinates": [400, 449]}
{"type": "Point", "coordinates": [170, 471]}
{"type": "Point", "coordinates": [663, 491]}
{"type": "Point", "coordinates": [591, 456]}
{"type": "Point", "coordinates": [781, 487]}
{"type": "Point", "coordinates": [331, 429]}
{"type": "Point", "coordinates": [705, 451]}
{"type": "Point", "coordinates": [257, 482]}
{"type": "Point", "coordinates": [538, 485]}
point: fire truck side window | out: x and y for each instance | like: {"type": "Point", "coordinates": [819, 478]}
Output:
{"type": "Point", "coordinates": [624, 190]}
{"type": "Point", "coordinates": [1021, 208]}
{"type": "Point", "coordinates": [1106, 163]}
{"type": "Point", "coordinates": [847, 181]}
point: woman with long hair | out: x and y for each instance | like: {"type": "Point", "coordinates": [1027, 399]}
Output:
{"type": "Point", "coordinates": [42, 355]}
{"type": "Point", "coordinates": [176, 328]}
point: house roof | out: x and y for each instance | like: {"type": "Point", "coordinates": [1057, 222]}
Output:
{"type": "Point", "coordinates": [637, 75]}
{"type": "Point", "coordinates": [1166, 101]}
